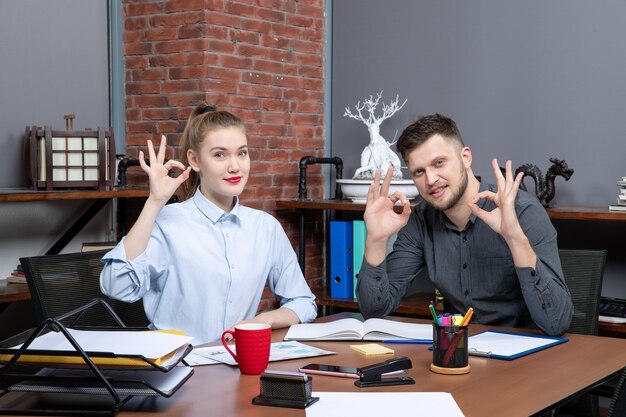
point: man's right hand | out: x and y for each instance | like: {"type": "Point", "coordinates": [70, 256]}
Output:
{"type": "Point", "coordinates": [381, 221]}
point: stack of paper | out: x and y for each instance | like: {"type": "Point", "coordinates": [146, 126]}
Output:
{"type": "Point", "coordinates": [106, 347]}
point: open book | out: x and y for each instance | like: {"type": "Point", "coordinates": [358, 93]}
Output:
{"type": "Point", "coordinates": [353, 329]}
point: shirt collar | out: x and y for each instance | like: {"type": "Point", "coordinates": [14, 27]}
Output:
{"type": "Point", "coordinates": [212, 211]}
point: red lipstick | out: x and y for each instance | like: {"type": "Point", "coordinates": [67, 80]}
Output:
{"type": "Point", "coordinates": [234, 180]}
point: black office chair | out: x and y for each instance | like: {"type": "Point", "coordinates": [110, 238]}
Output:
{"type": "Point", "coordinates": [618, 403]}
{"type": "Point", "coordinates": [583, 271]}
{"type": "Point", "coordinates": [61, 283]}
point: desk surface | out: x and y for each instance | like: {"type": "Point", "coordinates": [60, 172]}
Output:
{"type": "Point", "coordinates": [522, 387]}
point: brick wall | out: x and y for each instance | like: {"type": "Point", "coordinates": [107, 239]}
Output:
{"type": "Point", "coordinates": [260, 59]}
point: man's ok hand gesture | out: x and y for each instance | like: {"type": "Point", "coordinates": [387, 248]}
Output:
{"type": "Point", "coordinates": [381, 221]}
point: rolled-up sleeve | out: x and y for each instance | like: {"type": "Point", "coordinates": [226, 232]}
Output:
{"type": "Point", "coordinates": [287, 282]}
{"type": "Point", "coordinates": [544, 289]}
{"type": "Point", "coordinates": [380, 289]}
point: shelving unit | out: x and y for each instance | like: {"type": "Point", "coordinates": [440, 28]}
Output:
{"type": "Point", "coordinates": [100, 197]}
{"type": "Point", "coordinates": [415, 304]}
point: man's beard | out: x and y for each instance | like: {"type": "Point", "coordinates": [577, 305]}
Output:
{"type": "Point", "coordinates": [457, 194]}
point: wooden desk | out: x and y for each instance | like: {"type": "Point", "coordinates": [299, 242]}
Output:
{"type": "Point", "coordinates": [522, 387]}
{"type": "Point", "coordinates": [416, 305]}
{"type": "Point", "coordinates": [13, 292]}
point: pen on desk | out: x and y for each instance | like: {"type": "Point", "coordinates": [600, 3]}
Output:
{"type": "Point", "coordinates": [411, 341]}
{"type": "Point", "coordinates": [432, 311]}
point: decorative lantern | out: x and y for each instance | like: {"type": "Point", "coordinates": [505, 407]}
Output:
{"type": "Point", "coordinates": [57, 159]}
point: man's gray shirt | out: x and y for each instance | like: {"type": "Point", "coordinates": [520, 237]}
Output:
{"type": "Point", "coordinates": [474, 268]}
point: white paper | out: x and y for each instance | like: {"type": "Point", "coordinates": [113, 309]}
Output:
{"type": "Point", "coordinates": [150, 344]}
{"type": "Point", "coordinates": [376, 404]}
{"type": "Point", "coordinates": [610, 319]}
{"type": "Point", "coordinates": [279, 351]}
{"type": "Point", "coordinates": [505, 344]}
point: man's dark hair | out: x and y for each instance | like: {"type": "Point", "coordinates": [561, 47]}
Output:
{"type": "Point", "coordinates": [423, 128]}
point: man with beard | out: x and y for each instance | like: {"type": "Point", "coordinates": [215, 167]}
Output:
{"type": "Point", "coordinates": [490, 247]}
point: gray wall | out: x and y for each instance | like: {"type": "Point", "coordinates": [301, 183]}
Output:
{"type": "Point", "coordinates": [524, 80]}
{"type": "Point", "coordinates": [53, 61]}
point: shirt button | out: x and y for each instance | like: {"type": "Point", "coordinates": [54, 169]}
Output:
{"type": "Point", "coordinates": [464, 238]}
{"type": "Point", "coordinates": [533, 272]}
{"type": "Point", "coordinates": [232, 267]}
{"type": "Point", "coordinates": [464, 266]}
{"type": "Point", "coordinates": [466, 292]}
{"type": "Point", "coordinates": [226, 234]}
{"type": "Point", "coordinates": [230, 301]}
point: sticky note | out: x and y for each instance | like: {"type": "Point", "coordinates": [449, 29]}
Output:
{"type": "Point", "coordinates": [372, 349]}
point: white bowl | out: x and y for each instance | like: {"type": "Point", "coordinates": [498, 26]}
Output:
{"type": "Point", "coordinates": [356, 190]}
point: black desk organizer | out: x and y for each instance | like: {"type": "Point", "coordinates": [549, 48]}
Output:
{"type": "Point", "coordinates": [54, 388]}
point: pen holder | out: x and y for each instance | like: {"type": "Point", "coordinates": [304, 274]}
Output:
{"type": "Point", "coordinates": [450, 353]}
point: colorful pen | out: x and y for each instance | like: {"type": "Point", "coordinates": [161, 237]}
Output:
{"type": "Point", "coordinates": [432, 311]}
{"type": "Point", "coordinates": [468, 316]}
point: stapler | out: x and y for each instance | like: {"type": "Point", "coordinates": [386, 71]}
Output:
{"type": "Point", "coordinates": [371, 376]}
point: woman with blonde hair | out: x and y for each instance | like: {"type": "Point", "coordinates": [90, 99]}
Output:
{"type": "Point", "coordinates": [201, 265]}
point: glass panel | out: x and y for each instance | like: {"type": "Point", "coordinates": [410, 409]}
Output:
{"type": "Point", "coordinates": [75, 174]}
{"type": "Point", "coordinates": [91, 174]}
{"type": "Point", "coordinates": [90, 144]}
{"type": "Point", "coordinates": [91, 159]}
{"type": "Point", "coordinates": [58, 159]}
{"type": "Point", "coordinates": [75, 159]}
{"type": "Point", "coordinates": [58, 144]}
{"type": "Point", "coordinates": [75, 144]}
{"type": "Point", "coordinates": [58, 174]}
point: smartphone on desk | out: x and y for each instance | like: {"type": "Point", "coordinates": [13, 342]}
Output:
{"type": "Point", "coordinates": [331, 370]}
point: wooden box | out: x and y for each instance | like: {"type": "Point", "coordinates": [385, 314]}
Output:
{"type": "Point", "coordinates": [62, 159]}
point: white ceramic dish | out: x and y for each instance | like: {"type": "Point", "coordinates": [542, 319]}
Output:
{"type": "Point", "coordinates": [356, 190]}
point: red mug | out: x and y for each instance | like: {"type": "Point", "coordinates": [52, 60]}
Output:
{"type": "Point", "coordinates": [252, 344]}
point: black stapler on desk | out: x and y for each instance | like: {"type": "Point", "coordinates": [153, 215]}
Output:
{"type": "Point", "coordinates": [371, 376]}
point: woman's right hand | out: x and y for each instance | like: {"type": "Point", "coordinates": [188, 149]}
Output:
{"type": "Point", "coordinates": [162, 186]}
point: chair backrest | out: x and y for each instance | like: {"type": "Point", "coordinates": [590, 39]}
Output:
{"type": "Point", "coordinates": [583, 270]}
{"type": "Point", "coordinates": [62, 283]}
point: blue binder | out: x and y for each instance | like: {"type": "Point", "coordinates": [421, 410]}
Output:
{"type": "Point", "coordinates": [341, 259]}
{"type": "Point", "coordinates": [359, 233]}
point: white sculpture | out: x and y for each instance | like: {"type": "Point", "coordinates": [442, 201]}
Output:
{"type": "Point", "coordinates": [377, 154]}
